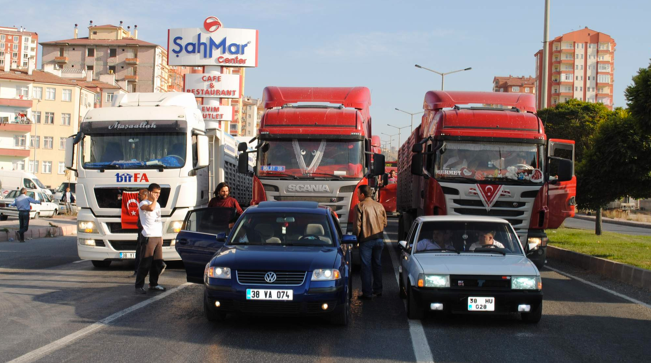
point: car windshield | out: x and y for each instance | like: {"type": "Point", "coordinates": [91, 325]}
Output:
{"type": "Point", "coordinates": [283, 229]}
{"type": "Point", "coordinates": [137, 150]}
{"type": "Point", "coordinates": [467, 237]}
{"type": "Point", "coordinates": [16, 193]}
{"type": "Point", "coordinates": [471, 162]}
{"type": "Point", "coordinates": [311, 158]}
{"type": "Point", "coordinates": [38, 182]}
{"type": "Point", "coordinates": [209, 220]}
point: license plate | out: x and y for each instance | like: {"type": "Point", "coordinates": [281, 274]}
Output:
{"type": "Point", "coordinates": [255, 294]}
{"type": "Point", "coordinates": [128, 255]}
{"type": "Point", "coordinates": [481, 304]}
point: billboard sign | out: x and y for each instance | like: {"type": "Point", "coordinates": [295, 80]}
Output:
{"type": "Point", "coordinates": [213, 85]}
{"type": "Point", "coordinates": [217, 113]}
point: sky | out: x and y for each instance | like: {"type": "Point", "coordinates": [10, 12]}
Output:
{"type": "Point", "coordinates": [369, 43]}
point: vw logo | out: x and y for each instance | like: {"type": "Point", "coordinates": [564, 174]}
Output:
{"type": "Point", "coordinates": [270, 277]}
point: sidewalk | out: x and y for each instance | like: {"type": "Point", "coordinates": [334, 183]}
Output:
{"type": "Point", "coordinates": [40, 228]}
{"type": "Point", "coordinates": [614, 221]}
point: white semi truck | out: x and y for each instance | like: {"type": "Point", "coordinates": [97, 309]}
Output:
{"type": "Point", "coordinates": [145, 138]}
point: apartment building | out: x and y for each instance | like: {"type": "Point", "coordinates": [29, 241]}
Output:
{"type": "Point", "coordinates": [581, 65]}
{"type": "Point", "coordinates": [514, 84]}
{"type": "Point", "coordinates": [252, 110]}
{"type": "Point", "coordinates": [138, 65]}
{"type": "Point", "coordinates": [39, 110]}
{"type": "Point", "coordinates": [20, 45]}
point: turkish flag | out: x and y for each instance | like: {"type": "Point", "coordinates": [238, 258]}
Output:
{"type": "Point", "coordinates": [488, 194]}
{"type": "Point", "coordinates": [130, 205]}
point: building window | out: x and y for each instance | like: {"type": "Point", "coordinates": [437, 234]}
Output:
{"type": "Point", "coordinates": [18, 165]}
{"type": "Point", "coordinates": [576, 88]}
{"type": "Point", "coordinates": [65, 119]}
{"type": "Point", "coordinates": [48, 142]}
{"type": "Point", "coordinates": [526, 89]}
{"type": "Point", "coordinates": [604, 67]}
{"type": "Point", "coordinates": [62, 167]}
{"type": "Point", "coordinates": [50, 94]}
{"type": "Point", "coordinates": [66, 95]}
{"type": "Point", "coordinates": [35, 142]}
{"type": "Point", "coordinates": [19, 141]}
{"type": "Point", "coordinates": [49, 118]}
{"type": "Point", "coordinates": [37, 93]}
{"type": "Point", "coordinates": [47, 167]}
{"type": "Point", "coordinates": [33, 166]}
{"type": "Point", "coordinates": [515, 89]}
{"type": "Point", "coordinates": [111, 69]}
{"type": "Point", "coordinates": [603, 78]}
{"type": "Point", "coordinates": [22, 91]}
{"type": "Point", "coordinates": [15, 38]}
{"type": "Point", "coordinates": [90, 52]}
{"type": "Point", "coordinates": [90, 68]}
{"type": "Point", "coordinates": [37, 116]}
{"type": "Point", "coordinates": [15, 47]}
{"type": "Point", "coordinates": [109, 97]}
{"type": "Point", "coordinates": [62, 143]}
{"type": "Point", "coordinates": [2, 37]}
{"type": "Point", "coordinates": [113, 52]}
{"type": "Point", "coordinates": [567, 76]}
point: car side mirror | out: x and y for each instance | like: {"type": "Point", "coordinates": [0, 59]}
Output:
{"type": "Point", "coordinates": [349, 239]}
{"type": "Point", "coordinates": [221, 237]}
{"type": "Point", "coordinates": [403, 245]}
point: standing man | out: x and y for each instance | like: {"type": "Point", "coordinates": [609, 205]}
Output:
{"type": "Point", "coordinates": [370, 221]}
{"type": "Point", "coordinates": [223, 200]}
{"type": "Point", "coordinates": [152, 229]}
{"type": "Point", "coordinates": [68, 199]}
{"type": "Point", "coordinates": [142, 195]}
{"type": "Point", "coordinates": [22, 203]}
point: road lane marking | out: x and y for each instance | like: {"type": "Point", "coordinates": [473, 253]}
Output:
{"type": "Point", "coordinates": [419, 342]}
{"type": "Point", "coordinates": [58, 344]}
{"type": "Point", "coordinates": [600, 287]}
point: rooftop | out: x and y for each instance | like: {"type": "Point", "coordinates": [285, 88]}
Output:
{"type": "Point", "coordinates": [86, 41]}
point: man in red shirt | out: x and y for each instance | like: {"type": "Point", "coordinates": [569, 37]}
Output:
{"type": "Point", "coordinates": [222, 200]}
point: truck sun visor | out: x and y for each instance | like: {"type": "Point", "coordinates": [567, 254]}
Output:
{"type": "Point", "coordinates": [156, 126]}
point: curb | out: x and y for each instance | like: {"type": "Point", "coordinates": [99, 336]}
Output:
{"type": "Point", "coordinates": [627, 274]}
{"type": "Point", "coordinates": [615, 221]}
{"type": "Point", "coordinates": [41, 232]}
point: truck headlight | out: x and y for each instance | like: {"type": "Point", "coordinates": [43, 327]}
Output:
{"type": "Point", "coordinates": [175, 227]}
{"type": "Point", "coordinates": [537, 242]}
{"type": "Point", "coordinates": [526, 283]}
{"type": "Point", "coordinates": [86, 242]}
{"type": "Point", "coordinates": [86, 227]}
{"type": "Point", "coordinates": [326, 275]}
{"type": "Point", "coordinates": [218, 272]}
{"type": "Point", "coordinates": [433, 280]}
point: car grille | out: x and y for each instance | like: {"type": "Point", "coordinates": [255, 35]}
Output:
{"type": "Point", "coordinates": [286, 278]}
{"type": "Point", "coordinates": [131, 245]}
{"type": "Point", "coordinates": [466, 282]}
{"type": "Point", "coordinates": [269, 307]}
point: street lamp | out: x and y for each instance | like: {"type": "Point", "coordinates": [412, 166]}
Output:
{"type": "Point", "coordinates": [443, 74]}
{"type": "Point", "coordinates": [399, 128]}
{"type": "Point", "coordinates": [390, 139]}
{"type": "Point", "coordinates": [412, 117]}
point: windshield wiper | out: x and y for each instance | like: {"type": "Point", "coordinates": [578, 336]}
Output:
{"type": "Point", "coordinates": [441, 250]}
{"type": "Point", "coordinates": [491, 250]}
{"type": "Point", "coordinates": [456, 178]}
{"type": "Point", "coordinates": [338, 177]}
{"type": "Point", "coordinates": [277, 174]}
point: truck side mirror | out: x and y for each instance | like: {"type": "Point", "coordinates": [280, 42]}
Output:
{"type": "Point", "coordinates": [242, 146]}
{"type": "Point", "coordinates": [417, 164]}
{"type": "Point", "coordinates": [378, 164]}
{"type": "Point", "coordinates": [243, 163]}
{"type": "Point", "coordinates": [562, 168]}
{"type": "Point", "coordinates": [202, 152]}
{"type": "Point", "coordinates": [385, 179]}
{"type": "Point", "coordinates": [70, 152]}
{"type": "Point", "coordinates": [417, 148]}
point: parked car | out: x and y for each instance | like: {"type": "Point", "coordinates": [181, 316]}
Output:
{"type": "Point", "coordinates": [58, 193]}
{"type": "Point", "coordinates": [470, 265]}
{"type": "Point", "coordinates": [47, 208]}
{"type": "Point", "coordinates": [280, 258]}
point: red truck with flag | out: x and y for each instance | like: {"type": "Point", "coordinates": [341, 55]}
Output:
{"type": "Point", "coordinates": [486, 154]}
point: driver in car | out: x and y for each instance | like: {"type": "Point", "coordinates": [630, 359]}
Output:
{"type": "Point", "coordinates": [440, 240]}
{"type": "Point", "coordinates": [486, 239]}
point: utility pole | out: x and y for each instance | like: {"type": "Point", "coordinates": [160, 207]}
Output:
{"type": "Point", "coordinates": [543, 97]}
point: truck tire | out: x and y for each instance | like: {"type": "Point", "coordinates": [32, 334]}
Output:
{"type": "Point", "coordinates": [101, 264]}
{"type": "Point", "coordinates": [534, 316]}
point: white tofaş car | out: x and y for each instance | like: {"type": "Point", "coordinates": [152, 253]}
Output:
{"type": "Point", "coordinates": [468, 264]}
{"type": "Point", "coordinates": [47, 208]}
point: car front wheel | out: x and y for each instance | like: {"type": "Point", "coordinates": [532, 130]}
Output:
{"type": "Point", "coordinates": [413, 310]}
{"type": "Point", "coordinates": [101, 264]}
{"type": "Point", "coordinates": [402, 293]}
{"type": "Point", "coordinates": [342, 316]}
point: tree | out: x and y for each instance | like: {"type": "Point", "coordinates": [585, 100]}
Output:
{"type": "Point", "coordinates": [574, 120]}
{"type": "Point", "coordinates": [638, 99]}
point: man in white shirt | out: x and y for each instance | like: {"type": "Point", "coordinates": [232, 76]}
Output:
{"type": "Point", "coordinates": [152, 231]}
{"type": "Point", "coordinates": [486, 239]}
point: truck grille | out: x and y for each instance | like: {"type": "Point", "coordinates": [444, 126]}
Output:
{"type": "Point", "coordinates": [470, 282]}
{"type": "Point", "coordinates": [112, 197]}
{"type": "Point", "coordinates": [286, 278]}
{"type": "Point", "coordinates": [131, 245]}
{"type": "Point", "coordinates": [116, 227]}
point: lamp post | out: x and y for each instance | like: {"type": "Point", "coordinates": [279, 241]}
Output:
{"type": "Point", "coordinates": [412, 117]}
{"type": "Point", "coordinates": [390, 139]}
{"type": "Point", "coordinates": [399, 128]}
{"type": "Point", "coordinates": [442, 74]}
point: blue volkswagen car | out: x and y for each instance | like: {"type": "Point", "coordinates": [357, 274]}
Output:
{"type": "Point", "coordinates": [280, 258]}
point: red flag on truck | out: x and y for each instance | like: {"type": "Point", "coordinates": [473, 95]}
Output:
{"type": "Point", "coordinates": [130, 205]}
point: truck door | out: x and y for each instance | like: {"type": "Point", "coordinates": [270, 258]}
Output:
{"type": "Point", "coordinates": [561, 195]}
{"type": "Point", "coordinates": [197, 241]}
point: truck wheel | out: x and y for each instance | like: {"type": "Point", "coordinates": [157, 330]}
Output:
{"type": "Point", "coordinates": [534, 316]}
{"type": "Point", "coordinates": [101, 264]}
{"type": "Point", "coordinates": [413, 311]}
{"type": "Point", "coordinates": [209, 310]}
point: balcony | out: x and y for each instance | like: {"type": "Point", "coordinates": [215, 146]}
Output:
{"type": "Point", "coordinates": [14, 127]}
{"type": "Point", "coordinates": [567, 50]}
{"type": "Point", "coordinates": [567, 93]}
{"type": "Point", "coordinates": [603, 51]}
{"type": "Point", "coordinates": [133, 61]}
{"type": "Point", "coordinates": [567, 61]}
{"type": "Point", "coordinates": [131, 77]}
{"type": "Point", "coordinates": [61, 60]}
{"type": "Point", "coordinates": [22, 153]}
{"type": "Point", "coordinates": [16, 102]}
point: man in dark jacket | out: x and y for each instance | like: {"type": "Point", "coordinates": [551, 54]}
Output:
{"type": "Point", "coordinates": [370, 221]}
{"type": "Point", "coordinates": [223, 200]}
{"type": "Point", "coordinates": [68, 199]}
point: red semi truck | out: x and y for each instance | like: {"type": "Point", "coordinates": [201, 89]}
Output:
{"type": "Point", "coordinates": [486, 154]}
{"type": "Point", "coordinates": [387, 191]}
{"type": "Point", "coordinates": [315, 144]}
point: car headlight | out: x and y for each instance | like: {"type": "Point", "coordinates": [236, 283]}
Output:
{"type": "Point", "coordinates": [218, 272]}
{"type": "Point", "coordinates": [433, 280]}
{"type": "Point", "coordinates": [175, 227]}
{"type": "Point", "coordinates": [86, 242]}
{"type": "Point", "coordinates": [526, 283]}
{"type": "Point", "coordinates": [326, 275]}
{"type": "Point", "coordinates": [86, 227]}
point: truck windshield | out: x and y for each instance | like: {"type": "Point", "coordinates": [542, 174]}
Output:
{"type": "Point", "coordinates": [518, 163]}
{"type": "Point", "coordinates": [311, 158]}
{"type": "Point", "coordinates": [138, 150]}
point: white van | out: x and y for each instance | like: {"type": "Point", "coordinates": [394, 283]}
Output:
{"type": "Point", "coordinates": [16, 179]}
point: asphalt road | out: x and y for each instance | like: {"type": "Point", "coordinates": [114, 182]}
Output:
{"type": "Point", "coordinates": [610, 227]}
{"type": "Point", "coordinates": [49, 312]}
